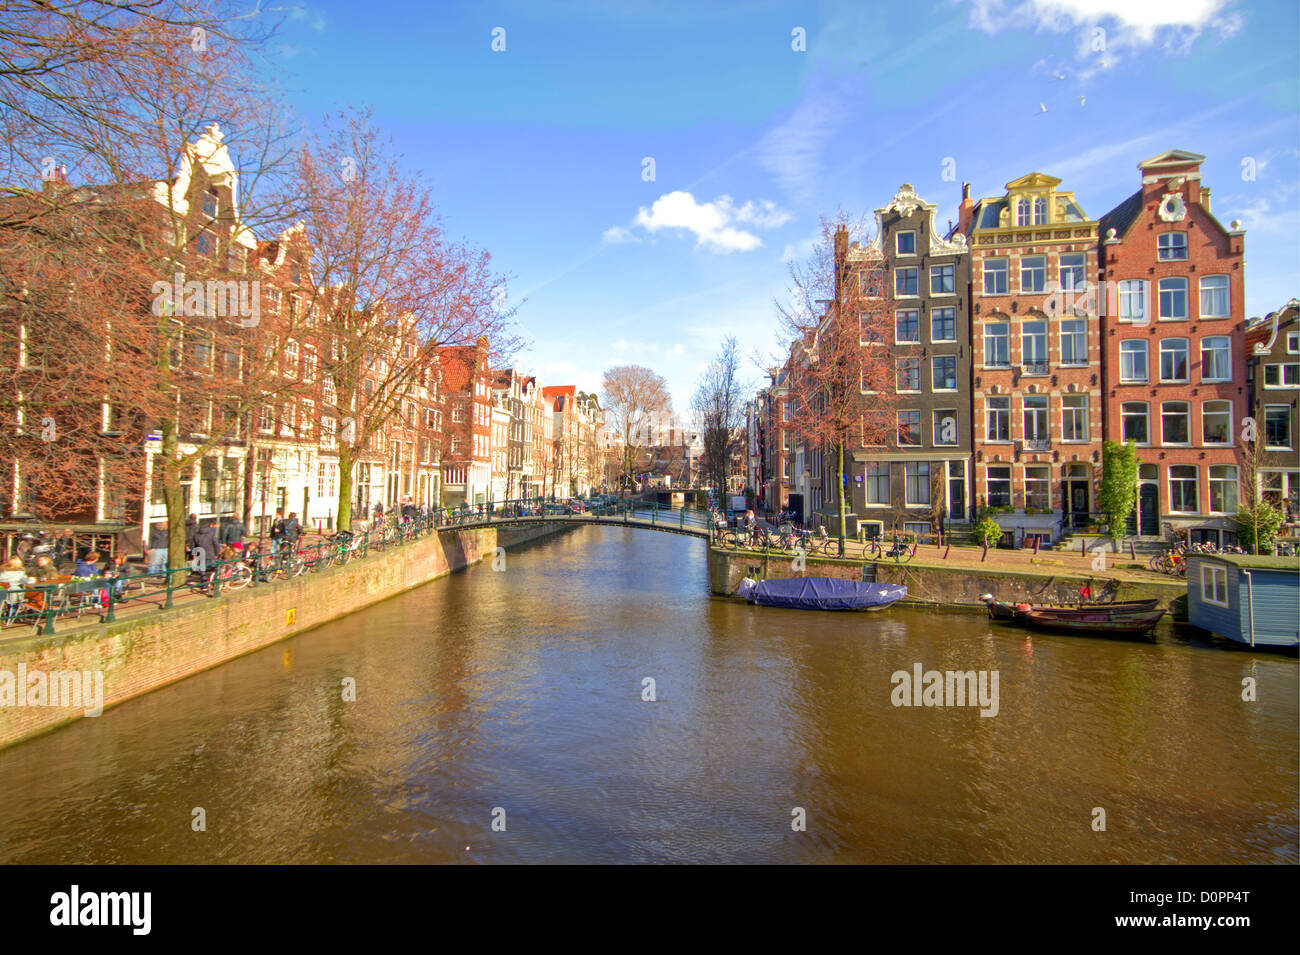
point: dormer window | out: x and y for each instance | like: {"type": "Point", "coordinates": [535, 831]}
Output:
{"type": "Point", "coordinates": [1040, 211]}
{"type": "Point", "coordinates": [905, 243]}
{"type": "Point", "coordinates": [1022, 212]}
{"type": "Point", "coordinates": [210, 203]}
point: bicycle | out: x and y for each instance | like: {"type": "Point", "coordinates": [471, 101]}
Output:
{"type": "Point", "coordinates": [898, 551]}
{"type": "Point", "coordinates": [341, 547]}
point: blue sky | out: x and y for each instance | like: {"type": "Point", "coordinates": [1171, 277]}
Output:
{"type": "Point", "coordinates": [537, 152]}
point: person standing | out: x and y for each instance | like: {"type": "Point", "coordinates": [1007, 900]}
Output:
{"type": "Point", "coordinates": [292, 531]}
{"type": "Point", "coordinates": [206, 544]}
{"type": "Point", "coordinates": [233, 533]}
{"type": "Point", "coordinates": [157, 552]}
{"type": "Point", "coordinates": [191, 529]}
{"type": "Point", "coordinates": [277, 532]}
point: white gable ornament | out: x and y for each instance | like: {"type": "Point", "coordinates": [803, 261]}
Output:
{"type": "Point", "coordinates": [1171, 208]}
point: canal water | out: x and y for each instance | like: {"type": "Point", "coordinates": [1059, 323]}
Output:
{"type": "Point", "coordinates": [518, 696]}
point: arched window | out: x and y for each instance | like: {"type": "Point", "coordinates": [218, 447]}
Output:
{"type": "Point", "coordinates": [1022, 212]}
{"type": "Point", "coordinates": [1040, 211]}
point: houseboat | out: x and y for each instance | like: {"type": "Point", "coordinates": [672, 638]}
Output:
{"type": "Point", "coordinates": [1252, 600]}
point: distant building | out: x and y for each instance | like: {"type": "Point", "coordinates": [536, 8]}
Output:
{"type": "Point", "coordinates": [1273, 390]}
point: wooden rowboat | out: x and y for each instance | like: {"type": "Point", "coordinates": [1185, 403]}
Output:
{"type": "Point", "coordinates": [1100, 619]}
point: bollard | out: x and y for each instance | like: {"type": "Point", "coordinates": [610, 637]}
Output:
{"type": "Point", "coordinates": [1037, 539]}
{"type": "Point", "coordinates": [1132, 554]}
{"type": "Point", "coordinates": [1083, 547]}
{"type": "Point", "coordinates": [986, 552]}
{"type": "Point", "coordinates": [946, 550]}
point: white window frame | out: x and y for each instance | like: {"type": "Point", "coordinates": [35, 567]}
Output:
{"type": "Point", "coordinates": [993, 268]}
{"type": "Point", "coordinates": [1205, 414]}
{"type": "Point", "coordinates": [1187, 360]}
{"type": "Point", "coordinates": [1133, 301]}
{"type": "Point", "coordinates": [1227, 296]}
{"type": "Point", "coordinates": [897, 246]}
{"type": "Point", "coordinates": [1164, 442]}
{"type": "Point", "coordinates": [1173, 281]}
{"type": "Point", "coordinates": [1226, 350]}
{"type": "Point", "coordinates": [1125, 372]}
{"type": "Point", "coordinates": [1172, 247]}
{"type": "Point", "coordinates": [1218, 581]}
{"type": "Point", "coordinates": [1146, 416]}
{"type": "Point", "coordinates": [1039, 270]}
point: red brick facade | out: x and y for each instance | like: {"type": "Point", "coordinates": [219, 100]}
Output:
{"type": "Point", "coordinates": [1173, 343]}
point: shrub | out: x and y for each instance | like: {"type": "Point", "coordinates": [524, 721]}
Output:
{"type": "Point", "coordinates": [1257, 526]}
{"type": "Point", "coordinates": [987, 530]}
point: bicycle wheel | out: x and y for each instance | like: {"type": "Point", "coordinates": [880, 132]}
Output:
{"type": "Point", "coordinates": [903, 554]}
{"type": "Point", "coordinates": [1154, 561]}
{"type": "Point", "coordinates": [240, 577]}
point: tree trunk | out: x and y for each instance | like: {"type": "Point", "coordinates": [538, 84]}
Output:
{"type": "Point", "coordinates": [839, 459]}
{"type": "Point", "coordinates": [345, 489]}
{"type": "Point", "coordinates": [172, 497]}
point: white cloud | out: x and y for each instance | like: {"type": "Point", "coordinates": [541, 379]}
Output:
{"type": "Point", "coordinates": [712, 223]}
{"type": "Point", "coordinates": [1112, 25]}
{"type": "Point", "coordinates": [617, 235]}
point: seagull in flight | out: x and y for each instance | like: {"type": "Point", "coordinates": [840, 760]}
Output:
{"type": "Point", "coordinates": [1042, 108]}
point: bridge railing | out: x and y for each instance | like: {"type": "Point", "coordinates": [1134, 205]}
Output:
{"type": "Point", "coordinates": [527, 509]}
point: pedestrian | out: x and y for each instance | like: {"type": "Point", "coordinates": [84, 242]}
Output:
{"type": "Point", "coordinates": [16, 578]}
{"type": "Point", "coordinates": [205, 544]}
{"type": "Point", "coordinates": [292, 530]}
{"type": "Point", "coordinates": [379, 512]}
{"type": "Point", "coordinates": [277, 532]}
{"type": "Point", "coordinates": [119, 572]}
{"type": "Point", "coordinates": [88, 566]}
{"type": "Point", "coordinates": [45, 569]}
{"type": "Point", "coordinates": [233, 533]}
{"type": "Point", "coordinates": [157, 552]}
{"type": "Point", "coordinates": [191, 529]}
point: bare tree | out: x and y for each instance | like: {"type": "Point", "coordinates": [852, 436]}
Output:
{"type": "Point", "coordinates": [842, 369]}
{"type": "Point", "coordinates": [633, 396]}
{"type": "Point", "coordinates": [718, 411]}
{"type": "Point", "coordinates": [391, 291]}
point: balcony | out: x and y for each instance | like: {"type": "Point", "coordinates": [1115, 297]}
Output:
{"type": "Point", "coordinates": [1038, 444]}
{"type": "Point", "coordinates": [1034, 369]}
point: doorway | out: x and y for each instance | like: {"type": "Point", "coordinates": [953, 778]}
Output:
{"type": "Point", "coordinates": [1077, 498]}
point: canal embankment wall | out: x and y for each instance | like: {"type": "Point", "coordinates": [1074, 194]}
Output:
{"type": "Point", "coordinates": [931, 584]}
{"type": "Point", "coordinates": [142, 653]}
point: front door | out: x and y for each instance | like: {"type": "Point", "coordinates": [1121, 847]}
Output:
{"type": "Point", "coordinates": [1078, 503]}
{"type": "Point", "coordinates": [1148, 510]}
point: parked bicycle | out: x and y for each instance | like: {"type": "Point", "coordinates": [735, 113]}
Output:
{"type": "Point", "coordinates": [340, 547]}
{"type": "Point", "coordinates": [898, 550]}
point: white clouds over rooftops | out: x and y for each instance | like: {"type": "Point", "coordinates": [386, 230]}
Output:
{"type": "Point", "coordinates": [716, 225]}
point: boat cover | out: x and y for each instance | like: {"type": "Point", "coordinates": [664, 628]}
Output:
{"type": "Point", "coordinates": [823, 593]}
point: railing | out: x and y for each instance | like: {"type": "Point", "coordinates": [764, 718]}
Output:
{"type": "Point", "coordinates": [39, 605]}
{"type": "Point", "coordinates": [1034, 368]}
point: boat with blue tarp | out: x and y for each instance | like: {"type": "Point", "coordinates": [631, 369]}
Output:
{"type": "Point", "coordinates": [820, 593]}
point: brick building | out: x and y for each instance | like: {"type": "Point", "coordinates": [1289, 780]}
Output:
{"type": "Point", "coordinates": [1173, 343]}
{"type": "Point", "coordinates": [1037, 391]}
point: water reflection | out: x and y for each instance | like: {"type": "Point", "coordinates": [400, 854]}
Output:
{"type": "Point", "coordinates": [522, 690]}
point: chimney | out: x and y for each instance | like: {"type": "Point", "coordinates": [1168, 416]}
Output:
{"type": "Point", "coordinates": [57, 183]}
{"type": "Point", "coordinates": [966, 210]}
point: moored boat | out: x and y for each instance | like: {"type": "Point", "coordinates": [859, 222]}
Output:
{"type": "Point", "coordinates": [1095, 619]}
{"type": "Point", "coordinates": [820, 593]}
{"type": "Point", "coordinates": [1125, 616]}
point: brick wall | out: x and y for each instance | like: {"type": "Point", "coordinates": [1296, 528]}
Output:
{"type": "Point", "coordinates": [139, 655]}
